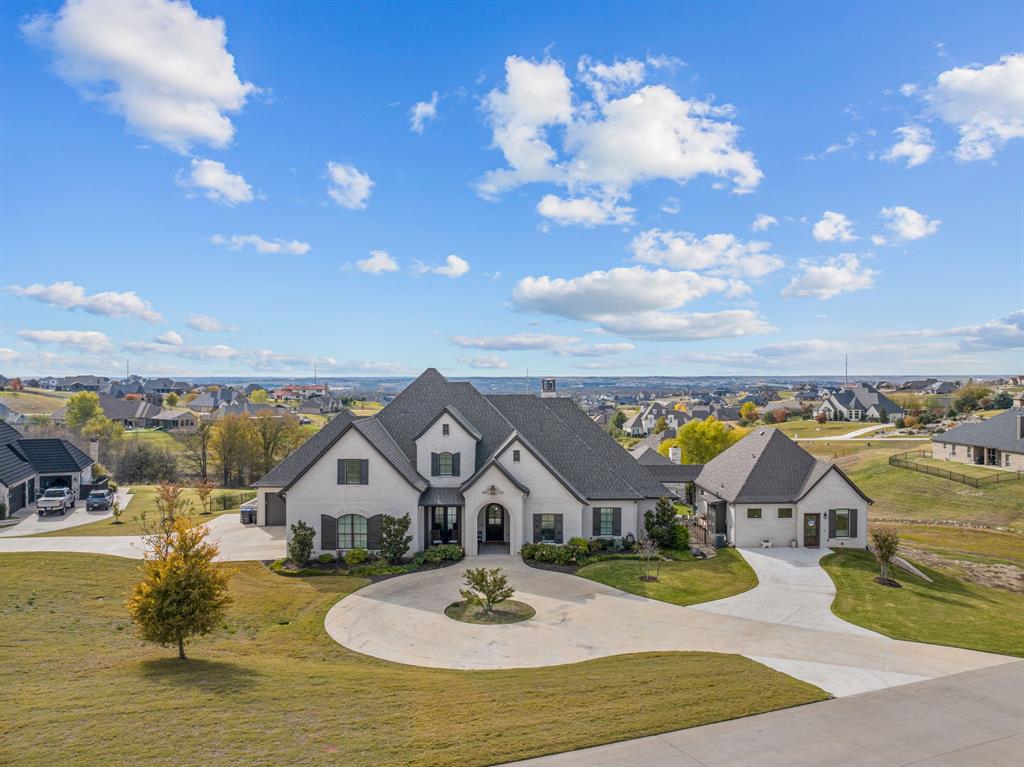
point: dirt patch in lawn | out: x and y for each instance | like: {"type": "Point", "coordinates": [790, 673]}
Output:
{"type": "Point", "coordinates": [1009, 577]}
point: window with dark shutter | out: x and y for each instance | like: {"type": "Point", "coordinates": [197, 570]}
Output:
{"type": "Point", "coordinates": [537, 534]}
{"type": "Point", "coordinates": [853, 523]}
{"type": "Point", "coordinates": [364, 472]}
{"type": "Point", "coordinates": [433, 464]}
{"type": "Point", "coordinates": [328, 533]}
{"type": "Point", "coordinates": [595, 524]}
{"type": "Point", "coordinates": [373, 533]}
{"type": "Point", "coordinates": [617, 521]}
{"type": "Point", "coordinates": [831, 523]}
{"type": "Point", "coordinates": [456, 464]}
{"type": "Point", "coordinates": [558, 528]}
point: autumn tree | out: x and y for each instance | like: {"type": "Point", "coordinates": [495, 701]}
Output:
{"type": "Point", "coordinates": [700, 441]}
{"type": "Point", "coordinates": [885, 542]}
{"type": "Point", "coordinates": [82, 408]}
{"type": "Point", "coordinates": [780, 415]}
{"type": "Point", "coordinates": [182, 594]}
{"type": "Point", "coordinates": [232, 446]}
{"type": "Point", "coordinates": [967, 399]}
{"type": "Point", "coordinates": [748, 411]}
{"type": "Point", "coordinates": [660, 425]}
{"type": "Point", "coordinates": [821, 417]}
{"type": "Point", "coordinates": [275, 437]}
{"type": "Point", "coordinates": [196, 446]}
{"type": "Point", "coordinates": [171, 399]}
{"type": "Point", "coordinates": [204, 491]}
{"type": "Point", "coordinates": [259, 397]}
{"type": "Point", "coordinates": [618, 419]}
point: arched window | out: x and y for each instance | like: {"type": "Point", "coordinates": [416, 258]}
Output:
{"type": "Point", "coordinates": [444, 464]}
{"type": "Point", "coordinates": [352, 532]}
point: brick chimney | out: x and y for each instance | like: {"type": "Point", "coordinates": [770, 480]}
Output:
{"type": "Point", "coordinates": [547, 388]}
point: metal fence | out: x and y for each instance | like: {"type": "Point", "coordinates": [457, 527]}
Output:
{"type": "Point", "coordinates": [906, 461]}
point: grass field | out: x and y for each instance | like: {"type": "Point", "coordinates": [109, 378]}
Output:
{"type": "Point", "coordinates": [684, 581]}
{"type": "Point", "coordinates": [270, 687]}
{"type": "Point", "coordinates": [157, 437]}
{"type": "Point", "coordinates": [913, 496]}
{"type": "Point", "coordinates": [811, 428]}
{"type": "Point", "coordinates": [144, 500]}
{"type": "Point", "coordinates": [967, 469]}
{"type": "Point", "coordinates": [33, 402]}
{"type": "Point", "coordinates": [947, 611]}
{"type": "Point", "coordinates": [973, 545]}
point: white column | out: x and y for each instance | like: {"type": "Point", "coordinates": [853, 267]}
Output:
{"type": "Point", "coordinates": [469, 532]}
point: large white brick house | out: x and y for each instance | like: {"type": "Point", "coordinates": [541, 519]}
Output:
{"type": "Point", "coordinates": [766, 487]}
{"type": "Point", "coordinates": [466, 467]}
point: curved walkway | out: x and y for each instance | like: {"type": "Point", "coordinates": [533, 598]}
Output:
{"type": "Point", "coordinates": [402, 620]}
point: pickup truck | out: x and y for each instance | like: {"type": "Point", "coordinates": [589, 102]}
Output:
{"type": "Point", "coordinates": [98, 499]}
{"type": "Point", "coordinates": [59, 499]}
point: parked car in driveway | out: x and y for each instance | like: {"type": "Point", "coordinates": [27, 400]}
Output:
{"type": "Point", "coordinates": [59, 499]}
{"type": "Point", "coordinates": [99, 500]}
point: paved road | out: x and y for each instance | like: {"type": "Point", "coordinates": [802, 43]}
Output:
{"type": "Point", "coordinates": [848, 435]}
{"type": "Point", "coordinates": [237, 542]}
{"type": "Point", "coordinates": [31, 523]}
{"type": "Point", "coordinates": [974, 719]}
{"type": "Point", "coordinates": [785, 623]}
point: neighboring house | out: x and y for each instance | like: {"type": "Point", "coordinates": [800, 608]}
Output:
{"type": "Point", "coordinates": [175, 420]}
{"type": "Point", "coordinates": [859, 403]}
{"type": "Point", "coordinates": [242, 406]}
{"type": "Point", "coordinates": [81, 383]}
{"type": "Point", "coordinates": [942, 387]}
{"type": "Point", "coordinates": [1018, 399]}
{"type": "Point", "coordinates": [8, 415]}
{"type": "Point", "coordinates": [634, 425]}
{"type": "Point", "coordinates": [29, 466]}
{"type": "Point", "coordinates": [209, 401]}
{"type": "Point", "coordinates": [300, 391]}
{"type": "Point", "coordinates": [130, 413]}
{"type": "Point", "coordinates": [125, 389]}
{"type": "Point", "coordinates": [807, 396]}
{"type": "Point", "coordinates": [919, 384]}
{"type": "Point", "coordinates": [466, 467]}
{"type": "Point", "coordinates": [726, 413]}
{"type": "Point", "coordinates": [999, 441]}
{"type": "Point", "coordinates": [768, 487]}
{"type": "Point", "coordinates": [677, 477]}
{"type": "Point", "coordinates": [162, 386]}
{"type": "Point", "coordinates": [322, 405]}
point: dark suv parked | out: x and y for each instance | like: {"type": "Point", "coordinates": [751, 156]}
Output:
{"type": "Point", "coordinates": [99, 500]}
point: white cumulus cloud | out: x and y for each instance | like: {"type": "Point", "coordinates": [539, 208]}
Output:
{"type": "Point", "coordinates": [348, 186]}
{"type": "Point", "coordinates": [583, 210]}
{"type": "Point", "coordinates": [157, 63]}
{"type": "Point", "coordinates": [453, 267]}
{"type": "Point", "coordinates": [763, 222]}
{"type": "Point", "coordinates": [421, 112]}
{"type": "Point", "coordinates": [833, 226]}
{"type": "Point", "coordinates": [484, 362]}
{"type": "Point", "coordinates": [262, 245]}
{"type": "Point", "coordinates": [216, 182]}
{"type": "Point", "coordinates": [843, 274]}
{"type": "Point", "coordinates": [68, 295]}
{"type": "Point", "coordinates": [914, 145]}
{"type": "Point", "coordinates": [204, 323]}
{"type": "Point", "coordinates": [84, 340]}
{"type": "Point", "coordinates": [908, 224]}
{"type": "Point", "coordinates": [717, 253]}
{"type": "Point", "coordinates": [378, 262]}
{"type": "Point", "coordinates": [514, 342]}
{"type": "Point", "coordinates": [984, 103]}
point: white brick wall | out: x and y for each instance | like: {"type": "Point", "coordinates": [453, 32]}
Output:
{"type": "Point", "coordinates": [457, 441]}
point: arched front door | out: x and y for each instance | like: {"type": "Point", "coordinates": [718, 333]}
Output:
{"type": "Point", "coordinates": [494, 523]}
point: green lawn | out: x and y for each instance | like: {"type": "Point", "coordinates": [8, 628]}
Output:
{"type": "Point", "coordinates": [967, 469]}
{"type": "Point", "coordinates": [912, 496]}
{"type": "Point", "coordinates": [270, 687]}
{"type": "Point", "coordinates": [157, 437]}
{"type": "Point", "coordinates": [144, 500]}
{"type": "Point", "coordinates": [811, 428]}
{"type": "Point", "coordinates": [947, 611]}
{"type": "Point", "coordinates": [683, 581]}
{"type": "Point", "coordinates": [971, 544]}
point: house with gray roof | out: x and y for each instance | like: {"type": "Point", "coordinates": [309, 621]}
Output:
{"type": "Point", "coordinates": [997, 442]}
{"type": "Point", "coordinates": [130, 413]}
{"type": "Point", "coordinates": [29, 466]}
{"type": "Point", "coordinates": [766, 488]}
{"type": "Point", "coordinates": [862, 402]}
{"type": "Point", "coordinates": [494, 471]}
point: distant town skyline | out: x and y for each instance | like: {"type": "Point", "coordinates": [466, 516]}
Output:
{"type": "Point", "coordinates": [616, 189]}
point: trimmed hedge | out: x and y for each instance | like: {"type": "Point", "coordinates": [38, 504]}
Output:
{"type": "Point", "coordinates": [367, 566]}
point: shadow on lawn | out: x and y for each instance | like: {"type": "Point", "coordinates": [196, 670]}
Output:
{"type": "Point", "coordinates": [215, 676]}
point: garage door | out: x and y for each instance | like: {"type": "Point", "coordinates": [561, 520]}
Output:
{"type": "Point", "coordinates": [17, 498]}
{"type": "Point", "coordinates": [275, 510]}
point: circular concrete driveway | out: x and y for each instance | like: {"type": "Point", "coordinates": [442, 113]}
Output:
{"type": "Point", "coordinates": [402, 620]}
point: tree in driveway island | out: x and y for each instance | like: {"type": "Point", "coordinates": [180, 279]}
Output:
{"type": "Point", "coordinates": [486, 588]}
{"type": "Point", "coordinates": [182, 594]}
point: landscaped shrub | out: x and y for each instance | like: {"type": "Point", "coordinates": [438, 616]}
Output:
{"type": "Point", "coordinates": [300, 545]}
{"type": "Point", "coordinates": [356, 557]}
{"type": "Point", "coordinates": [325, 558]}
{"type": "Point", "coordinates": [579, 547]}
{"type": "Point", "coordinates": [660, 524]}
{"type": "Point", "coordinates": [486, 588]}
{"type": "Point", "coordinates": [682, 541]}
{"type": "Point", "coordinates": [394, 541]}
{"type": "Point", "coordinates": [550, 553]}
{"type": "Point", "coordinates": [435, 555]}
{"type": "Point", "coordinates": [597, 545]}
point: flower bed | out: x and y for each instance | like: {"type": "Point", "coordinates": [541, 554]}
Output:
{"type": "Point", "coordinates": [361, 564]}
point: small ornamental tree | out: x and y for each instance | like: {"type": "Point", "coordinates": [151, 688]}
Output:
{"type": "Point", "coordinates": [300, 544]}
{"type": "Point", "coordinates": [780, 415]}
{"type": "Point", "coordinates": [648, 552]}
{"type": "Point", "coordinates": [660, 524]}
{"type": "Point", "coordinates": [748, 411]}
{"type": "Point", "coordinates": [660, 425]}
{"type": "Point", "coordinates": [171, 400]}
{"type": "Point", "coordinates": [394, 540]}
{"type": "Point", "coordinates": [116, 511]}
{"type": "Point", "coordinates": [821, 417]}
{"type": "Point", "coordinates": [182, 593]}
{"type": "Point", "coordinates": [486, 588]}
{"type": "Point", "coordinates": [171, 505]}
{"type": "Point", "coordinates": [886, 542]}
{"type": "Point", "coordinates": [618, 419]}
{"type": "Point", "coordinates": [204, 490]}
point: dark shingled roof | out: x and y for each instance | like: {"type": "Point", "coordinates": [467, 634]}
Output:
{"type": "Point", "coordinates": [676, 473]}
{"type": "Point", "coordinates": [14, 466]}
{"type": "Point", "coordinates": [1001, 432]}
{"type": "Point", "coordinates": [442, 496]}
{"type": "Point", "coordinates": [54, 456]}
{"type": "Point", "coordinates": [766, 466]}
{"type": "Point", "coordinates": [584, 457]}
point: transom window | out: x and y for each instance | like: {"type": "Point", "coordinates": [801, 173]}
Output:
{"type": "Point", "coordinates": [606, 522]}
{"type": "Point", "coordinates": [753, 513]}
{"type": "Point", "coordinates": [547, 527]}
{"type": "Point", "coordinates": [444, 464]}
{"type": "Point", "coordinates": [842, 520]}
{"type": "Point", "coordinates": [785, 513]}
{"type": "Point", "coordinates": [352, 532]}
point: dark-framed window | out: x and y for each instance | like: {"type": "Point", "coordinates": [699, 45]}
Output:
{"type": "Point", "coordinates": [753, 513]}
{"type": "Point", "coordinates": [444, 464]}
{"type": "Point", "coordinates": [352, 532]}
{"type": "Point", "coordinates": [841, 519]}
{"type": "Point", "coordinates": [606, 521]}
{"type": "Point", "coordinates": [547, 527]}
{"type": "Point", "coordinates": [445, 430]}
{"type": "Point", "coordinates": [515, 456]}
{"type": "Point", "coordinates": [785, 513]}
{"type": "Point", "coordinates": [353, 471]}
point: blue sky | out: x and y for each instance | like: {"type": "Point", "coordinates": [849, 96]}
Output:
{"type": "Point", "coordinates": [226, 188]}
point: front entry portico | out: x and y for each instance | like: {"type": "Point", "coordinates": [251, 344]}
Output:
{"type": "Point", "coordinates": [493, 529]}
